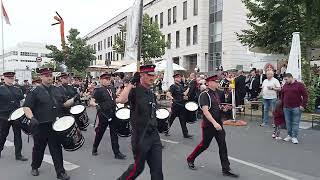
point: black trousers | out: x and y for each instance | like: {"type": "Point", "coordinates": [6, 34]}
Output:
{"type": "Point", "coordinates": [101, 128]}
{"type": "Point", "coordinates": [4, 131]}
{"type": "Point", "coordinates": [207, 135]}
{"type": "Point", "coordinates": [149, 151]}
{"type": "Point", "coordinates": [43, 135]}
{"type": "Point", "coordinates": [179, 111]}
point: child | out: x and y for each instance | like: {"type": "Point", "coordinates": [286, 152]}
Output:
{"type": "Point", "coordinates": [279, 120]}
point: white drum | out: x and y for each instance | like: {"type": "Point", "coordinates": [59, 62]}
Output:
{"type": "Point", "coordinates": [162, 119]}
{"type": "Point", "coordinates": [162, 114]}
{"type": "Point", "coordinates": [68, 133]}
{"type": "Point", "coordinates": [20, 118]}
{"type": "Point", "coordinates": [77, 109]}
{"type": "Point", "coordinates": [119, 105]}
{"type": "Point", "coordinates": [191, 106]}
{"type": "Point", "coordinates": [122, 123]}
{"type": "Point", "coordinates": [81, 116]}
{"type": "Point", "coordinates": [123, 113]}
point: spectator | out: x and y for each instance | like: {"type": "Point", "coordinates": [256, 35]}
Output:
{"type": "Point", "coordinates": [240, 83]}
{"type": "Point", "coordinates": [283, 69]}
{"type": "Point", "coordinates": [279, 121]}
{"type": "Point", "coordinates": [270, 87]}
{"type": "Point", "coordinates": [294, 97]}
{"type": "Point", "coordinates": [254, 85]}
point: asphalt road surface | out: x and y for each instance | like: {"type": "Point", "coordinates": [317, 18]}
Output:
{"type": "Point", "coordinates": [252, 151]}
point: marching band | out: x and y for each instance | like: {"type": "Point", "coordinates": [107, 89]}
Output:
{"type": "Point", "coordinates": [55, 115]}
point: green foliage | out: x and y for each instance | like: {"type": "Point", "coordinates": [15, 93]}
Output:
{"type": "Point", "coordinates": [153, 45]}
{"type": "Point", "coordinates": [76, 55]}
{"type": "Point", "coordinates": [53, 65]}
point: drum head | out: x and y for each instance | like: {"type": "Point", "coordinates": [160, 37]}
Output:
{"type": "Point", "coordinates": [63, 123]}
{"type": "Point", "coordinates": [17, 114]}
{"type": "Point", "coordinates": [191, 106]}
{"type": "Point", "coordinates": [123, 113]}
{"type": "Point", "coordinates": [77, 109]}
{"type": "Point", "coordinates": [162, 114]}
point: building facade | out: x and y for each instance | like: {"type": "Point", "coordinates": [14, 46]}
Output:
{"type": "Point", "coordinates": [25, 55]}
{"type": "Point", "coordinates": [201, 33]}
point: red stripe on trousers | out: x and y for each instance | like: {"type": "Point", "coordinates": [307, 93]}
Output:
{"type": "Point", "coordinates": [133, 172]}
{"type": "Point", "coordinates": [191, 156]}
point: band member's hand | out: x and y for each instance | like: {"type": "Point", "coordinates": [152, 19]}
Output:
{"type": "Point", "coordinates": [33, 124]}
{"type": "Point", "coordinates": [301, 108]}
{"type": "Point", "coordinates": [185, 97]}
{"type": "Point", "coordinates": [217, 126]}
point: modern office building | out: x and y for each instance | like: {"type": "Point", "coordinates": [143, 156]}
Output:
{"type": "Point", "coordinates": [25, 55]}
{"type": "Point", "coordinates": [201, 34]}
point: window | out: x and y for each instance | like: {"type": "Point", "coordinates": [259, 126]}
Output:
{"type": "Point", "coordinates": [185, 10]}
{"type": "Point", "coordinates": [156, 19]}
{"type": "Point", "coordinates": [174, 14]}
{"type": "Point", "coordinates": [169, 16]}
{"type": "Point", "coordinates": [161, 20]}
{"type": "Point", "coordinates": [177, 39]}
{"type": "Point", "coordinates": [108, 42]}
{"type": "Point", "coordinates": [151, 20]}
{"type": "Point", "coordinates": [188, 36]}
{"type": "Point", "coordinates": [15, 53]}
{"type": "Point", "coordinates": [195, 7]}
{"type": "Point", "coordinates": [104, 44]}
{"type": "Point", "coordinates": [195, 34]}
{"type": "Point", "coordinates": [111, 41]}
{"type": "Point", "coordinates": [169, 41]}
{"type": "Point", "coordinates": [28, 54]}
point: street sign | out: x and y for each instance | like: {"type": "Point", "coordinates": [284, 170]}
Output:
{"type": "Point", "coordinates": [38, 59]}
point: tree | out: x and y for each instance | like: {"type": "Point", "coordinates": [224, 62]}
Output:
{"type": "Point", "coordinates": [153, 45]}
{"type": "Point", "coordinates": [76, 55]}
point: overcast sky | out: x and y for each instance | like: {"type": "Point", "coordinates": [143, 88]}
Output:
{"type": "Point", "coordinates": [31, 19]}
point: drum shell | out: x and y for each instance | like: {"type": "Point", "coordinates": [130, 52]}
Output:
{"type": "Point", "coordinates": [82, 119]}
{"type": "Point", "coordinates": [122, 126]}
{"type": "Point", "coordinates": [71, 139]}
{"type": "Point", "coordinates": [163, 125]}
{"type": "Point", "coordinates": [23, 123]}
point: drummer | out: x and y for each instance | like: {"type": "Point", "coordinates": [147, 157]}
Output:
{"type": "Point", "coordinates": [178, 95]}
{"type": "Point", "coordinates": [104, 100]}
{"type": "Point", "coordinates": [10, 97]}
{"type": "Point", "coordinates": [44, 105]}
{"type": "Point", "coordinates": [69, 92]}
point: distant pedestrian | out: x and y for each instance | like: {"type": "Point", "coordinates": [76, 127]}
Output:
{"type": "Point", "coordinates": [294, 97]}
{"type": "Point", "coordinates": [279, 120]}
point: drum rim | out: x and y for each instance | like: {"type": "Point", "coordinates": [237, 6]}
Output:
{"type": "Point", "coordinates": [120, 110]}
{"type": "Point", "coordinates": [53, 125]}
{"type": "Point", "coordinates": [10, 119]}
{"type": "Point", "coordinates": [79, 105]}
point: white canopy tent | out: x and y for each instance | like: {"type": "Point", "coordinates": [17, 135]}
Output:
{"type": "Point", "coordinates": [294, 63]}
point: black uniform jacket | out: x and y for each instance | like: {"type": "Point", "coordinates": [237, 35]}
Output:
{"type": "Point", "coordinates": [10, 97]}
{"type": "Point", "coordinates": [105, 96]}
{"type": "Point", "coordinates": [46, 103]}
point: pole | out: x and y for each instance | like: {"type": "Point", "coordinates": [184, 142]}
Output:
{"type": "Point", "coordinates": [2, 38]}
{"type": "Point", "coordinates": [139, 34]}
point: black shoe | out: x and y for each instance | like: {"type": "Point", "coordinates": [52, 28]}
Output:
{"type": "Point", "coordinates": [120, 156]}
{"type": "Point", "coordinates": [21, 158]}
{"type": "Point", "coordinates": [35, 172]}
{"type": "Point", "coordinates": [188, 136]}
{"type": "Point", "coordinates": [230, 174]}
{"type": "Point", "coordinates": [191, 165]}
{"type": "Point", "coordinates": [94, 152]}
{"type": "Point", "coordinates": [63, 176]}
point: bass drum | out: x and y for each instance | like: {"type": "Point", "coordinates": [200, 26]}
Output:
{"type": "Point", "coordinates": [122, 122]}
{"type": "Point", "coordinates": [20, 118]}
{"type": "Point", "coordinates": [162, 118]}
{"type": "Point", "coordinates": [80, 114]}
{"type": "Point", "coordinates": [68, 133]}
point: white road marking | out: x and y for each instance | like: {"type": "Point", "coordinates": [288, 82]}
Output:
{"type": "Point", "coordinates": [283, 176]}
{"type": "Point", "coordinates": [67, 165]}
{"type": "Point", "coordinates": [169, 141]}
{"type": "Point", "coordinates": [9, 144]}
{"type": "Point", "coordinates": [306, 125]}
{"type": "Point", "coordinates": [48, 159]}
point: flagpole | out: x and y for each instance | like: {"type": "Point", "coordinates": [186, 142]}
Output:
{"type": "Point", "coordinates": [2, 37]}
{"type": "Point", "coordinates": [139, 34]}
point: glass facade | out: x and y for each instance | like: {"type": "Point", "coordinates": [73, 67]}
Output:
{"type": "Point", "coordinates": [215, 34]}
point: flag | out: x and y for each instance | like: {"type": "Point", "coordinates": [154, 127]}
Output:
{"type": "Point", "coordinates": [294, 63]}
{"type": "Point", "coordinates": [168, 73]}
{"type": "Point", "coordinates": [131, 46]}
{"type": "Point", "coordinates": [4, 14]}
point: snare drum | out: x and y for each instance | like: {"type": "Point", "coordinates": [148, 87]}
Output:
{"type": "Point", "coordinates": [122, 123]}
{"type": "Point", "coordinates": [20, 118]}
{"type": "Point", "coordinates": [68, 133]}
{"type": "Point", "coordinates": [80, 114]}
{"type": "Point", "coordinates": [191, 106]}
{"type": "Point", "coordinates": [162, 118]}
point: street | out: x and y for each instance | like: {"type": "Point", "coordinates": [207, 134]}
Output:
{"type": "Point", "coordinates": [253, 154]}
